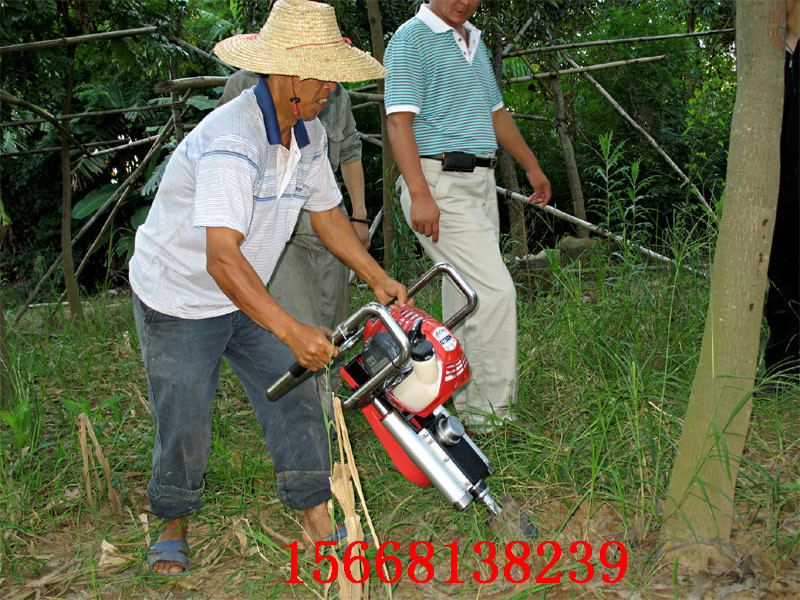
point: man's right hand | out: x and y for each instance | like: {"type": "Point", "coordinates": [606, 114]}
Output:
{"type": "Point", "coordinates": [311, 346]}
{"type": "Point", "coordinates": [425, 215]}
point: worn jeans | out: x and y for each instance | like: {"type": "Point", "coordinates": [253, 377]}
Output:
{"type": "Point", "coordinates": [182, 359]}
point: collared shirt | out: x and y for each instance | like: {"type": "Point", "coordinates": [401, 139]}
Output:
{"type": "Point", "coordinates": [344, 145]}
{"type": "Point", "coordinates": [447, 82]}
{"type": "Point", "coordinates": [226, 173]}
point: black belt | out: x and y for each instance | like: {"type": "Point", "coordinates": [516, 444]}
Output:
{"type": "Point", "coordinates": [462, 161]}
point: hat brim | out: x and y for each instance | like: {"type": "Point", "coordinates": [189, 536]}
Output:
{"type": "Point", "coordinates": [326, 62]}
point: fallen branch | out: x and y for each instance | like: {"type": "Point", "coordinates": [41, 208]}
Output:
{"type": "Point", "coordinates": [597, 67]}
{"type": "Point", "coordinates": [599, 230]}
{"type": "Point", "coordinates": [653, 38]}
{"type": "Point", "coordinates": [78, 39]}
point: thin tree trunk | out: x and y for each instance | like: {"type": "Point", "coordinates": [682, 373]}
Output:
{"type": "Point", "coordinates": [508, 171]}
{"type": "Point", "coordinates": [388, 164]}
{"type": "Point", "coordinates": [70, 281]}
{"type": "Point", "coordinates": [568, 152]}
{"type": "Point", "coordinates": [700, 499]}
{"type": "Point", "coordinates": [5, 387]}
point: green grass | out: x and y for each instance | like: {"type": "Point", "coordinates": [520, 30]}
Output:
{"type": "Point", "coordinates": [607, 358]}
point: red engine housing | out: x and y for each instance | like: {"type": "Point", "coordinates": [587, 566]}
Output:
{"type": "Point", "coordinates": [453, 366]}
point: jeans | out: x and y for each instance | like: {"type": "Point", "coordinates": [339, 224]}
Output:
{"type": "Point", "coordinates": [182, 359]}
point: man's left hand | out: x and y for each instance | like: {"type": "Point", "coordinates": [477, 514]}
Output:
{"type": "Point", "coordinates": [389, 290]}
{"type": "Point", "coordinates": [362, 233]}
{"type": "Point", "coordinates": [541, 188]}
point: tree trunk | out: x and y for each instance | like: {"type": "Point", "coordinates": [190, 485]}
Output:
{"type": "Point", "coordinates": [699, 509]}
{"type": "Point", "coordinates": [70, 281]}
{"type": "Point", "coordinates": [568, 151]}
{"type": "Point", "coordinates": [5, 387]}
{"type": "Point", "coordinates": [389, 169]}
{"type": "Point", "coordinates": [508, 171]}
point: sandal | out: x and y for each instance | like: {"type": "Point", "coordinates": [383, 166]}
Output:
{"type": "Point", "coordinates": [169, 551]}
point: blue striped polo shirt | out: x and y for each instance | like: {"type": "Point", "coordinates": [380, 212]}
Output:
{"type": "Point", "coordinates": [227, 173]}
{"type": "Point", "coordinates": [447, 83]}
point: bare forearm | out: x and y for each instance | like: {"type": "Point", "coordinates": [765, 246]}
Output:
{"type": "Point", "coordinates": [509, 137]}
{"type": "Point", "coordinates": [406, 151]}
{"type": "Point", "coordinates": [353, 175]}
{"type": "Point", "coordinates": [237, 279]}
{"type": "Point", "coordinates": [335, 232]}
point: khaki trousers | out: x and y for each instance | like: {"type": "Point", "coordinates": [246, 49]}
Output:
{"type": "Point", "coordinates": [313, 286]}
{"type": "Point", "coordinates": [469, 234]}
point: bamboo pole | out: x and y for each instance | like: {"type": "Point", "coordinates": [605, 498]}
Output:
{"type": "Point", "coordinates": [189, 46]}
{"type": "Point", "coordinates": [79, 39]}
{"type": "Point", "coordinates": [653, 38]}
{"type": "Point", "coordinates": [646, 136]}
{"type": "Point", "coordinates": [363, 105]}
{"type": "Point", "coordinates": [531, 118]}
{"type": "Point", "coordinates": [599, 230]}
{"type": "Point", "coordinates": [120, 190]}
{"type": "Point", "coordinates": [388, 168]}
{"type": "Point", "coordinates": [371, 139]}
{"type": "Point", "coordinates": [188, 83]}
{"type": "Point", "coordinates": [598, 67]}
{"type": "Point", "coordinates": [93, 113]}
{"type": "Point", "coordinates": [6, 97]}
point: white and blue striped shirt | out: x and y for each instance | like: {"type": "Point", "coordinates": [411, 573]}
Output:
{"type": "Point", "coordinates": [448, 83]}
{"type": "Point", "coordinates": [231, 171]}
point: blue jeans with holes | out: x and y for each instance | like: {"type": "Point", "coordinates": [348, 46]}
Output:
{"type": "Point", "coordinates": [182, 358]}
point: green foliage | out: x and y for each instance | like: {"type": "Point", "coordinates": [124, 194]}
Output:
{"type": "Point", "coordinates": [93, 200]}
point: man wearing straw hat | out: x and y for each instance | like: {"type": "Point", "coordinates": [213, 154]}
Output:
{"type": "Point", "coordinates": [309, 281]}
{"type": "Point", "coordinates": [225, 208]}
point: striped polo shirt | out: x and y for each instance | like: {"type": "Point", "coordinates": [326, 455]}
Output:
{"type": "Point", "coordinates": [448, 83]}
{"type": "Point", "coordinates": [230, 171]}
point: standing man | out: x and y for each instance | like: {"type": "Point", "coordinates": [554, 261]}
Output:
{"type": "Point", "coordinates": [225, 208]}
{"type": "Point", "coordinates": [309, 281]}
{"type": "Point", "coordinates": [445, 119]}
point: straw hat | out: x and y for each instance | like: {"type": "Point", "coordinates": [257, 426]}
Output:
{"type": "Point", "coordinates": [300, 38]}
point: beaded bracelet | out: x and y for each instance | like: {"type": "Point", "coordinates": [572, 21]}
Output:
{"type": "Point", "coordinates": [354, 220]}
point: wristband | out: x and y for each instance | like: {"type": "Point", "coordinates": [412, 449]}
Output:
{"type": "Point", "coordinates": [354, 220]}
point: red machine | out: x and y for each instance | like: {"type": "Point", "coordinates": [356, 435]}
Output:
{"type": "Point", "coordinates": [410, 364]}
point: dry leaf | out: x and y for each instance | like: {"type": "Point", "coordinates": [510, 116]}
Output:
{"type": "Point", "coordinates": [110, 556]}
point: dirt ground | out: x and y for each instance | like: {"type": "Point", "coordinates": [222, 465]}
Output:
{"type": "Point", "coordinates": [240, 560]}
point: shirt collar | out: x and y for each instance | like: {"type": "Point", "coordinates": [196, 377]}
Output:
{"type": "Point", "coordinates": [437, 25]}
{"type": "Point", "coordinates": [267, 106]}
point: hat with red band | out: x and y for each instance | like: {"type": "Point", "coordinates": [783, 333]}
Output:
{"type": "Point", "coordinates": [300, 38]}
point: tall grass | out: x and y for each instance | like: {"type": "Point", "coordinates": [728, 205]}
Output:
{"type": "Point", "coordinates": [607, 353]}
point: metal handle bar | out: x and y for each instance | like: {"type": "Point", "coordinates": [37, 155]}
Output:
{"type": "Point", "coordinates": [345, 332]}
{"type": "Point", "coordinates": [459, 281]}
{"type": "Point", "coordinates": [346, 336]}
